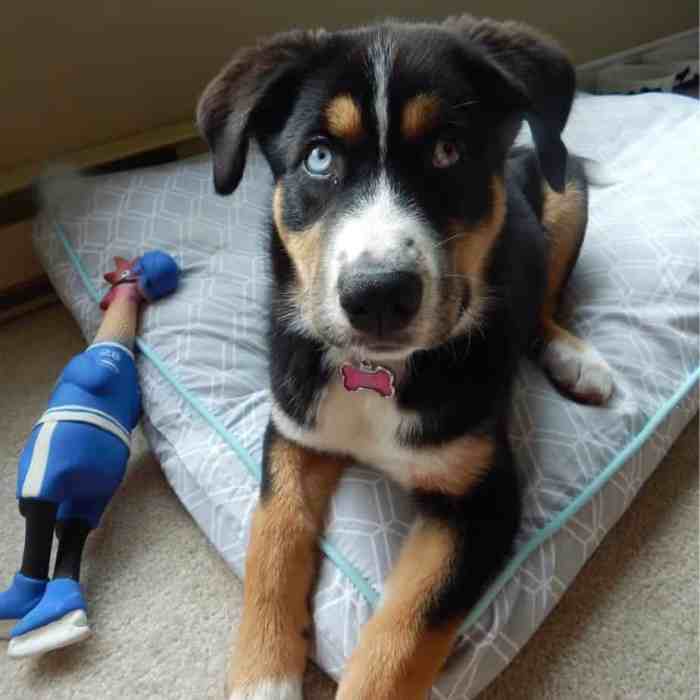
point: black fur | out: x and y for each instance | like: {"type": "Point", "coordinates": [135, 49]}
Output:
{"type": "Point", "coordinates": [484, 523]}
{"type": "Point", "coordinates": [491, 76]}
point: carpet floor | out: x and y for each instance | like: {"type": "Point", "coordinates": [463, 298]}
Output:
{"type": "Point", "coordinates": [163, 603]}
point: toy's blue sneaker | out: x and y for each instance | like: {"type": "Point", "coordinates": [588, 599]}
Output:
{"type": "Point", "coordinates": [23, 594]}
{"type": "Point", "coordinates": [58, 620]}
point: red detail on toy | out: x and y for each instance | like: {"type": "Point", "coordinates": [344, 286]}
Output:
{"type": "Point", "coordinates": [378, 379]}
{"type": "Point", "coordinates": [123, 273]}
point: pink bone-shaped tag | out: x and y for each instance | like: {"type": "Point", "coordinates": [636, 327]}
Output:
{"type": "Point", "coordinates": [377, 379]}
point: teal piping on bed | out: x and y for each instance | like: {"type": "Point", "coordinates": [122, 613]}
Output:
{"type": "Point", "coordinates": [365, 588]}
{"type": "Point", "coordinates": [560, 520]}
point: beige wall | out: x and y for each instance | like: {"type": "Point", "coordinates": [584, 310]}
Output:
{"type": "Point", "coordinates": [83, 72]}
{"type": "Point", "coordinates": [18, 263]}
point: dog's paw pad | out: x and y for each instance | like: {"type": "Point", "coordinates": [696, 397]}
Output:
{"type": "Point", "coordinates": [269, 689]}
{"type": "Point", "coordinates": [578, 370]}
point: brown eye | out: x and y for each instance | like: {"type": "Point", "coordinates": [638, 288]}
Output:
{"type": "Point", "coordinates": [446, 153]}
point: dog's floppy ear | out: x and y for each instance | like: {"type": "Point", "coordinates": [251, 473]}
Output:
{"type": "Point", "coordinates": [236, 99]}
{"type": "Point", "coordinates": [541, 67]}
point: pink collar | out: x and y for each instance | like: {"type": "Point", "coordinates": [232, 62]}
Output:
{"type": "Point", "coordinates": [369, 377]}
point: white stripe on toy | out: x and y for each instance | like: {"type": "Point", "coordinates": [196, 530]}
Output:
{"type": "Point", "coordinates": [31, 488]}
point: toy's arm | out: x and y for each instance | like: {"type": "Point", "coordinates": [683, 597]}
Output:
{"type": "Point", "coordinates": [121, 316]}
{"type": "Point", "coordinates": [143, 279]}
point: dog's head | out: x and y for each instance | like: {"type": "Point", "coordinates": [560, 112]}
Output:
{"type": "Point", "coordinates": [387, 145]}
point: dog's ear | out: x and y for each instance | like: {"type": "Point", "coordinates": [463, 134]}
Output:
{"type": "Point", "coordinates": [540, 67]}
{"type": "Point", "coordinates": [239, 99]}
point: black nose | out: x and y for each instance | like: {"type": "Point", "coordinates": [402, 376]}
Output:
{"type": "Point", "coordinates": [380, 302]}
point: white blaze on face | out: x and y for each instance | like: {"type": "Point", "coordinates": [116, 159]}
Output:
{"type": "Point", "coordinates": [381, 56]}
{"type": "Point", "coordinates": [379, 227]}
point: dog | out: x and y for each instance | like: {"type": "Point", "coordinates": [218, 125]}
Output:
{"type": "Point", "coordinates": [416, 256]}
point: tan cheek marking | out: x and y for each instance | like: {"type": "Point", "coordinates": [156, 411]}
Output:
{"type": "Point", "coordinates": [419, 115]}
{"type": "Point", "coordinates": [304, 247]}
{"type": "Point", "coordinates": [473, 247]}
{"type": "Point", "coordinates": [280, 565]}
{"type": "Point", "coordinates": [563, 216]}
{"type": "Point", "coordinates": [399, 655]}
{"type": "Point", "coordinates": [463, 462]}
{"type": "Point", "coordinates": [344, 119]}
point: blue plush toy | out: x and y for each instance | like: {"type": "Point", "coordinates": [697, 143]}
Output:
{"type": "Point", "coordinates": [74, 461]}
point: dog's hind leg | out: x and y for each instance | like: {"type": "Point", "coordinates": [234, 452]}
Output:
{"type": "Point", "coordinates": [574, 366]}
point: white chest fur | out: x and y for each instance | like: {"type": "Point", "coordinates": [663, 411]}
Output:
{"type": "Point", "coordinates": [367, 426]}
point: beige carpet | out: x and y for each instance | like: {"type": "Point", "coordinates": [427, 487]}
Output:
{"type": "Point", "coordinates": [162, 602]}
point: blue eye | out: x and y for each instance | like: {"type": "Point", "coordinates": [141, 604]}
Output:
{"type": "Point", "coordinates": [318, 162]}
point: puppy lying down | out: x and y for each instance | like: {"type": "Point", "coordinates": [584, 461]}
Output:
{"type": "Point", "coordinates": [417, 256]}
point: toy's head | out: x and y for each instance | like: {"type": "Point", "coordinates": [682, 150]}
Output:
{"type": "Point", "coordinates": [155, 274]}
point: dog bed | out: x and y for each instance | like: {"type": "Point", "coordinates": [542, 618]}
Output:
{"type": "Point", "coordinates": [634, 295]}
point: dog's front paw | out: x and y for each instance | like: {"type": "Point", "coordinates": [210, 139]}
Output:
{"type": "Point", "coordinates": [578, 370]}
{"type": "Point", "coordinates": [268, 689]}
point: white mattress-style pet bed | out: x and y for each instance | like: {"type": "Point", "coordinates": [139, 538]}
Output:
{"type": "Point", "coordinates": [633, 294]}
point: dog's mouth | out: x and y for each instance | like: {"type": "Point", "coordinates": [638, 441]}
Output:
{"type": "Point", "coordinates": [426, 336]}
{"type": "Point", "coordinates": [384, 347]}
{"type": "Point", "coordinates": [427, 331]}
{"type": "Point", "coordinates": [367, 348]}
{"type": "Point", "coordinates": [384, 350]}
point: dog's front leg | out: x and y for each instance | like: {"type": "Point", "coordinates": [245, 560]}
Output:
{"type": "Point", "coordinates": [400, 650]}
{"type": "Point", "coordinates": [455, 547]}
{"type": "Point", "coordinates": [269, 657]}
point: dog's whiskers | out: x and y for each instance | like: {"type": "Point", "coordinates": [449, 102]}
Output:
{"type": "Point", "coordinates": [466, 103]}
{"type": "Point", "coordinates": [456, 275]}
{"type": "Point", "coordinates": [451, 238]}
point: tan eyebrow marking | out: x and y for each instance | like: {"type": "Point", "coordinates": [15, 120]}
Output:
{"type": "Point", "coordinates": [419, 114]}
{"type": "Point", "coordinates": [344, 118]}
